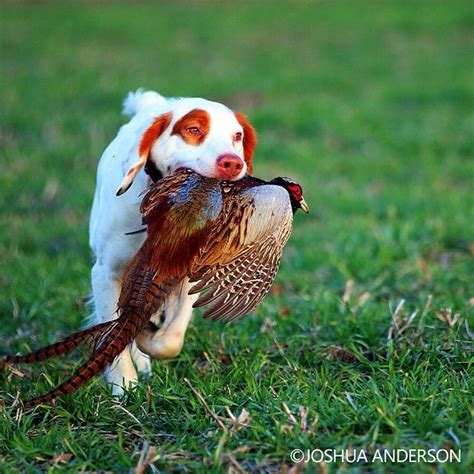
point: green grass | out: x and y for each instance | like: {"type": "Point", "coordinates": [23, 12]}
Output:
{"type": "Point", "coordinates": [370, 106]}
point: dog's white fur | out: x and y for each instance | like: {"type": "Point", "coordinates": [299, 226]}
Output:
{"type": "Point", "coordinates": [113, 216]}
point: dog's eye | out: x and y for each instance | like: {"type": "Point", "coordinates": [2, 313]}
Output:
{"type": "Point", "coordinates": [193, 131]}
{"type": "Point", "coordinates": [238, 137]}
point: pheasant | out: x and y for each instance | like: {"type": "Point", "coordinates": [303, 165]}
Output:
{"type": "Point", "coordinates": [226, 237]}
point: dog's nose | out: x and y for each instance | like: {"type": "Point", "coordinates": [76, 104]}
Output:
{"type": "Point", "coordinates": [229, 166]}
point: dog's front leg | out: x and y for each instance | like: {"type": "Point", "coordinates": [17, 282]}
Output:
{"type": "Point", "coordinates": [167, 342]}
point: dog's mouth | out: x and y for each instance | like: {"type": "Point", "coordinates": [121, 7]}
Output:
{"type": "Point", "coordinates": [152, 171]}
{"type": "Point", "coordinates": [155, 174]}
{"type": "Point", "coordinates": [184, 168]}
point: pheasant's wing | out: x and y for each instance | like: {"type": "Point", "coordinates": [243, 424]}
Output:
{"type": "Point", "coordinates": [238, 279]}
{"type": "Point", "coordinates": [160, 197]}
{"type": "Point", "coordinates": [234, 289]}
{"type": "Point", "coordinates": [245, 219]}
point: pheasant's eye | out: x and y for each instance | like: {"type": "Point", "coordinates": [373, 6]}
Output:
{"type": "Point", "coordinates": [238, 137]}
{"type": "Point", "coordinates": [193, 131]}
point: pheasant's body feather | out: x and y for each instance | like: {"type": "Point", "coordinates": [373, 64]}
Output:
{"type": "Point", "coordinates": [225, 237]}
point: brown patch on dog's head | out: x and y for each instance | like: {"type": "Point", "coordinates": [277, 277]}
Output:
{"type": "Point", "coordinates": [152, 133]}
{"type": "Point", "coordinates": [193, 127]}
{"type": "Point", "coordinates": [250, 140]}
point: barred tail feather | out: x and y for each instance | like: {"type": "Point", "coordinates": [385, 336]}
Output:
{"type": "Point", "coordinates": [63, 347]}
{"type": "Point", "coordinates": [93, 366]}
{"type": "Point", "coordinates": [110, 339]}
{"type": "Point", "coordinates": [111, 345]}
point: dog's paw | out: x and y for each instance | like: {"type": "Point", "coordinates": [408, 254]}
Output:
{"type": "Point", "coordinates": [121, 374]}
{"type": "Point", "coordinates": [142, 361]}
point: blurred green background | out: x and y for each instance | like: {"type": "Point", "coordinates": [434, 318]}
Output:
{"type": "Point", "coordinates": [370, 106]}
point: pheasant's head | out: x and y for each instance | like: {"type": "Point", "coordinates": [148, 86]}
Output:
{"type": "Point", "coordinates": [295, 191]}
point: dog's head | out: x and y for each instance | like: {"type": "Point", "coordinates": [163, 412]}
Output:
{"type": "Point", "coordinates": [204, 136]}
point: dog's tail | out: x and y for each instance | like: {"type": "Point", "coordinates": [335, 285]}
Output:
{"type": "Point", "coordinates": [140, 99]}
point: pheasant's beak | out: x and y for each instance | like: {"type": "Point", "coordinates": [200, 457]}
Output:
{"type": "Point", "coordinates": [304, 206]}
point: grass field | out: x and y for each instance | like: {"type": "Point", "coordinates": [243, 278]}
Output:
{"type": "Point", "coordinates": [370, 106]}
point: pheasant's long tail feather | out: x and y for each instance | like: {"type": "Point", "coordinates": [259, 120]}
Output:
{"type": "Point", "coordinates": [117, 339]}
{"type": "Point", "coordinates": [63, 347]}
{"type": "Point", "coordinates": [113, 337]}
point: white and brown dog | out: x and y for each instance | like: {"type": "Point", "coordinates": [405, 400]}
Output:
{"type": "Point", "coordinates": [164, 135]}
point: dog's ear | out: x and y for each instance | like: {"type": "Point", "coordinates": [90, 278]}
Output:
{"type": "Point", "coordinates": [250, 140]}
{"type": "Point", "coordinates": [152, 133]}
